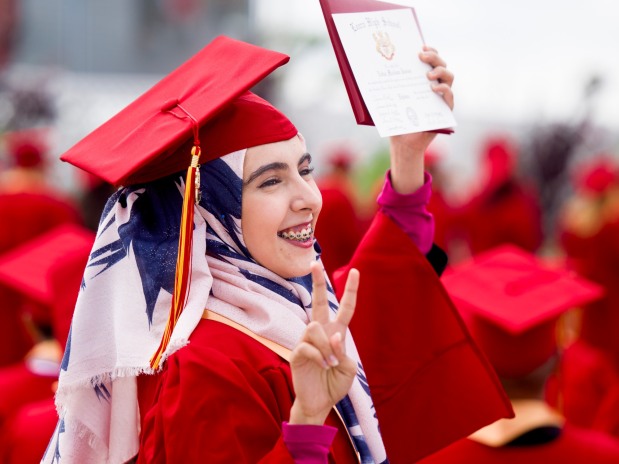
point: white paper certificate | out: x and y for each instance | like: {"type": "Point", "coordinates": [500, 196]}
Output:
{"type": "Point", "coordinates": [382, 48]}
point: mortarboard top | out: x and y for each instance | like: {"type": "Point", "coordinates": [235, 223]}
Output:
{"type": "Point", "coordinates": [27, 147]}
{"type": "Point", "coordinates": [65, 281]}
{"type": "Point", "coordinates": [511, 301]}
{"type": "Point", "coordinates": [146, 140]}
{"type": "Point", "coordinates": [499, 161]}
{"type": "Point", "coordinates": [341, 157]}
{"type": "Point", "coordinates": [597, 176]}
{"type": "Point", "coordinates": [28, 267]}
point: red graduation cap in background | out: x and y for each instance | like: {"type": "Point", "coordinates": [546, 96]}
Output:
{"type": "Point", "coordinates": [49, 269]}
{"type": "Point", "coordinates": [197, 113]}
{"type": "Point", "coordinates": [28, 268]}
{"type": "Point", "coordinates": [596, 176]}
{"type": "Point", "coordinates": [28, 147]}
{"type": "Point", "coordinates": [499, 161]}
{"type": "Point", "coordinates": [511, 301]}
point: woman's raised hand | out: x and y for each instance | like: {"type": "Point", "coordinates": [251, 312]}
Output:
{"type": "Point", "coordinates": [439, 73]}
{"type": "Point", "coordinates": [321, 372]}
{"type": "Point", "coordinates": [407, 150]}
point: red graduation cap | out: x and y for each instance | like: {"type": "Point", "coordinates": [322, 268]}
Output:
{"type": "Point", "coordinates": [197, 113]}
{"type": "Point", "coordinates": [27, 147]}
{"type": "Point", "coordinates": [65, 281]}
{"type": "Point", "coordinates": [597, 176]}
{"type": "Point", "coordinates": [28, 268]}
{"type": "Point", "coordinates": [511, 301]}
{"type": "Point", "coordinates": [499, 161]}
{"type": "Point", "coordinates": [151, 138]}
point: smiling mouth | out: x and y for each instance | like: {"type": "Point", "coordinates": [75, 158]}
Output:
{"type": "Point", "coordinates": [299, 234]}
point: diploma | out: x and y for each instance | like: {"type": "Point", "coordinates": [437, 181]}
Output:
{"type": "Point", "coordinates": [382, 50]}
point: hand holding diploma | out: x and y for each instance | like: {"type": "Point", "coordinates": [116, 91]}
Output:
{"type": "Point", "coordinates": [407, 150]}
{"type": "Point", "coordinates": [382, 50]}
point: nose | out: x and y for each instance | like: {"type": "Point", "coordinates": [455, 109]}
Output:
{"type": "Point", "coordinates": [306, 196]}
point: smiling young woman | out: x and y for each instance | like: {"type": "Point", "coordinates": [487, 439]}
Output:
{"type": "Point", "coordinates": [218, 273]}
{"type": "Point", "coordinates": [280, 237]}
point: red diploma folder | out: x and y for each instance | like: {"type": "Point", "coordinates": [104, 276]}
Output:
{"type": "Point", "coordinates": [329, 7]}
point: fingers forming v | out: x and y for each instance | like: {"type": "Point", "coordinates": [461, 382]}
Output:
{"type": "Point", "coordinates": [349, 299]}
{"type": "Point", "coordinates": [307, 351]}
{"type": "Point", "coordinates": [316, 336]}
{"type": "Point", "coordinates": [320, 301]}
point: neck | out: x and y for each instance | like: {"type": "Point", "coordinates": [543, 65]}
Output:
{"type": "Point", "coordinates": [530, 414]}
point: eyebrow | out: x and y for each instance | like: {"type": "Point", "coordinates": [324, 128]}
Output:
{"type": "Point", "coordinates": [277, 166]}
{"type": "Point", "coordinates": [306, 157]}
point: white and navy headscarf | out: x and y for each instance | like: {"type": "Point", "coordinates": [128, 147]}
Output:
{"type": "Point", "coordinates": [124, 302]}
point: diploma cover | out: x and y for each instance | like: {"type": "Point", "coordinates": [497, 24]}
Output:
{"type": "Point", "coordinates": [330, 7]}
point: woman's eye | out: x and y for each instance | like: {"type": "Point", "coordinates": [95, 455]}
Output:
{"type": "Point", "coordinates": [306, 171]}
{"type": "Point", "coordinates": [269, 183]}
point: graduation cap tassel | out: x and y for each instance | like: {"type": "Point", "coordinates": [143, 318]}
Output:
{"type": "Point", "coordinates": [182, 277]}
{"type": "Point", "coordinates": [183, 259]}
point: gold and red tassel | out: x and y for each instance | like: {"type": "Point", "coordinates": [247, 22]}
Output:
{"type": "Point", "coordinates": [182, 277]}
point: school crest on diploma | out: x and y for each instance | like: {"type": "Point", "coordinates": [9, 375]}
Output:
{"type": "Point", "coordinates": [384, 46]}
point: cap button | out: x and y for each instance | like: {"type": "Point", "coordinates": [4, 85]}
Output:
{"type": "Point", "coordinates": [170, 104]}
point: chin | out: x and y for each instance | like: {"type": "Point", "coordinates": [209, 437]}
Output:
{"type": "Point", "coordinates": [286, 264]}
{"type": "Point", "coordinates": [296, 271]}
{"type": "Point", "coordinates": [298, 267]}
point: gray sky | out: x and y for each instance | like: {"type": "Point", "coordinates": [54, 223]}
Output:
{"type": "Point", "coordinates": [525, 60]}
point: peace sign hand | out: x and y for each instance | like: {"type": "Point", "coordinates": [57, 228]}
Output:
{"type": "Point", "coordinates": [321, 372]}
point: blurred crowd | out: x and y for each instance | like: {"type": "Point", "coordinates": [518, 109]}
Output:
{"type": "Point", "coordinates": [47, 232]}
{"type": "Point", "coordinates": [45, 239]}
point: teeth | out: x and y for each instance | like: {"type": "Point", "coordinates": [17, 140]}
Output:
{"type": "Point", "coordinates": [301, 235]}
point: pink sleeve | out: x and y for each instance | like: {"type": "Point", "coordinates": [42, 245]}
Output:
{"type": "Point", "coordinates": [308, 444]}
{"type": "Point", "coordinates": [409, 211]}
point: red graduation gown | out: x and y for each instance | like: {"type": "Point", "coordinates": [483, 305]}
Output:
{"type": "Point", "coordinates": [574, 445]}
{"type": "Point", "coordinates": [24, 217]}
{"type": "Point", "coordinates": [443, 217]}
{"type": "Point", "coordinates": [339, 229]}
{"type": "Point", "coordinates": [27, 433]}
{"type": "Point", "coordinates": [430, 383]}
{"type": "Point", "coordinates": [27, 411]}
{"type": "Point", "coordinates": [596, 257]}
{"type": "Point", "coordinates": [223, 397]}
{"type": "Point", "coordinates": [586, 389]}
{"type": "Point", "coordinates": [20, 386]}
{"type": "Point", "coordinates": [510, 214]}
{"type": "Point", "coordinates": [590, 388]}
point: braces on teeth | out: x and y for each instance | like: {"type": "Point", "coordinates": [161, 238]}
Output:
{"type": "Point", "coordinates": [301, 235]}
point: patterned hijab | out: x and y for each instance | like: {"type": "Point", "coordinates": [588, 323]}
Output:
{"type": "Point", "coordinates": [125, 298]}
